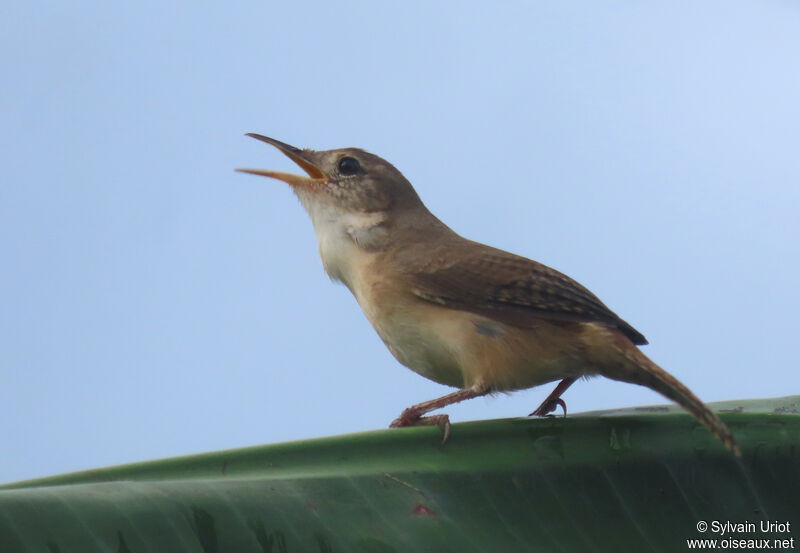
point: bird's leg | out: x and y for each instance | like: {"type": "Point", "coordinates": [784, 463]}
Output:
{"type": "Point", "coordinates": [554, 400]}
{"type": "Point", "coordinates": [413, 415]}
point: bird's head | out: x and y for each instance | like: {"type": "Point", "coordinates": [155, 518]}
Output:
{"type": "Point", "coordinates": [347, 179]}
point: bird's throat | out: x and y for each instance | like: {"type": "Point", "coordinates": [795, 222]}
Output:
{"type": "Point", "coordinates": [346, 239]}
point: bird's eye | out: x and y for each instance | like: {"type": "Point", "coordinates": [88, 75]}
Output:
{"type": "Point", "coordinates": [349, 166]}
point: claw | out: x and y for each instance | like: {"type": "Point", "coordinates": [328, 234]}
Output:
{"type": "Point", "coordinates": [549, 406]}
{"type": "Point", "coordinates": [554, 399]}
{"type": "Point", "coordinates": [412, 418]}
{"type": "Point", "coordinates": [443, 421]}
{"type": "Point", "coordinates": [413, 415]}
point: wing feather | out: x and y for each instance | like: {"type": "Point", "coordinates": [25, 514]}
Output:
{"type": "Point", "coordinates": [515, 290]}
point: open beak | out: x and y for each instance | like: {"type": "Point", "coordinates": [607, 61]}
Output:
{"type": "Point", "coordinates": [300, 157]}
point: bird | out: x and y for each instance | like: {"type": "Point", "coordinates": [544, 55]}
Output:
{"type": "Point", "coordinates": [458, 312]}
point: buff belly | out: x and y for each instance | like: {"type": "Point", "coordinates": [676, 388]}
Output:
{"type": "Point", "coordinates": [461, 349]}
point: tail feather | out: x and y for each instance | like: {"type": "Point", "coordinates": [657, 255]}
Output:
{"type": "Point", "coordinates": [639, 369]}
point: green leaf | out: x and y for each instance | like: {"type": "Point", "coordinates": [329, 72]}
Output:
{"type": "Point", "coordinates": [627, 480]}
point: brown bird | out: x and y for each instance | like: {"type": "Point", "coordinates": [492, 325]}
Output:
{"type": "Point", "coordinates": [455, 311]}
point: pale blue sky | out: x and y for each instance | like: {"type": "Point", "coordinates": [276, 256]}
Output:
{"type": "Point", "coordinates": [155, 303]}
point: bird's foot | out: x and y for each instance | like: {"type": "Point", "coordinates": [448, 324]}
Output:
{"type": "Point", "coordinates": [548, 406]}
{"type": "Point", "coordinates": [554, 399]}
{"type": "Point", "coordinates": [412, 417]}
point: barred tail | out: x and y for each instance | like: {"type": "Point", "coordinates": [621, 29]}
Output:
{"type": "Point", "coordinates": [641, 370]}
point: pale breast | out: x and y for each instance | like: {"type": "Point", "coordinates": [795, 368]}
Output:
{"type": "Point", "coordinates": [406, 325]}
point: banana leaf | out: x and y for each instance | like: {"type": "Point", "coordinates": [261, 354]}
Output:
{"type": "Point", "coordinates": [641, 479]}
